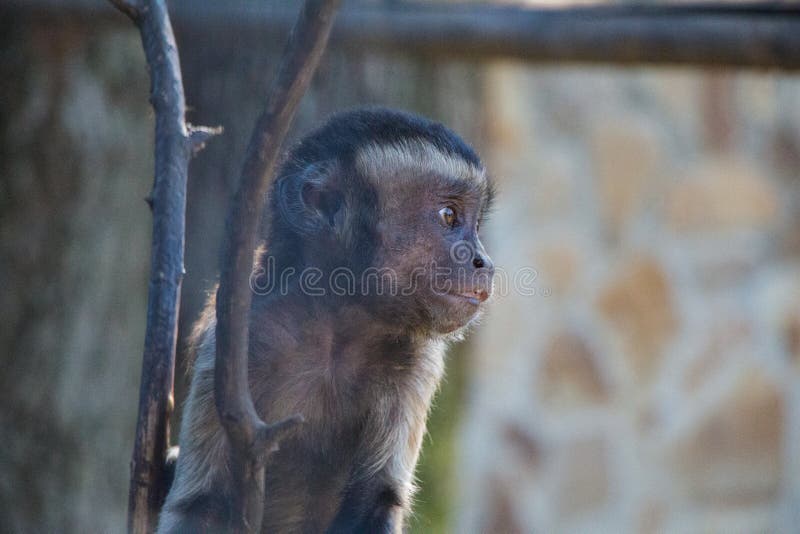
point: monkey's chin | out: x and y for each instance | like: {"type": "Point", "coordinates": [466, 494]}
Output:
{"type": "Point", "coordinates": [453, 312]}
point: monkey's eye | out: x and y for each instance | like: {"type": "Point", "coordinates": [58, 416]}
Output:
{"type": "Point", "coordinates": [448, 216]}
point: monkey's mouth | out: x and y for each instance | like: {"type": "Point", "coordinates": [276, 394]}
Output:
{"type": "Point", "coordinates": [474, 297]}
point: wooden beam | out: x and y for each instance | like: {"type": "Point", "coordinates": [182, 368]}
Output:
{"type": "Point", "coordinates": [702, 35]}
{"type": "Point", "coordinates": [735, 35]}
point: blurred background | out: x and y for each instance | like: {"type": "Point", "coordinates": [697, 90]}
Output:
{"type": "Point", "coordinates": [650, 383]}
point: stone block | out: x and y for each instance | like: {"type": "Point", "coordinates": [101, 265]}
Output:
{"type": "Point", "coordinates": [584, 478]}
{"type": "Point", "coordinates": [722, 194]}
{"type": "Point", "coordinates": [569, 376]}
{"type": "Point", "coordinates": [733, 456]}
{"type": "Point", "coordinates": [637, 302]}
{"type": "Point", "coordinates": [626, 159]}
{"type": "Point", "coordinates": [558, 265]}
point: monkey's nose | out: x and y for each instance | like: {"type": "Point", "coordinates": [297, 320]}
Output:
{"type": "Point", "coordinates": [482, 262]}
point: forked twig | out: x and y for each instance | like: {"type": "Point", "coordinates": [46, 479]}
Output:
{"type": "Point", "coordinates": [251, 439]}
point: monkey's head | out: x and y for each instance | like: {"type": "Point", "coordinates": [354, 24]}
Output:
{"type": "Point", "coordinates": [385, 209]}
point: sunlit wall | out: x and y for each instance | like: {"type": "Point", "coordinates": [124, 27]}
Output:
{"type": "Point", "coordinates": [644, 377]}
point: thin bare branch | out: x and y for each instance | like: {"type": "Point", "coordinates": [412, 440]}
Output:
{"type": "Point", "coordinates": [173, 149]}
{"type": "Point", "coordinates": [251, 438]}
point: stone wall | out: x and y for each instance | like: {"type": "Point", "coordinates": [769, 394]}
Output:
{"type": "Point", "coordinates": [647, 379]}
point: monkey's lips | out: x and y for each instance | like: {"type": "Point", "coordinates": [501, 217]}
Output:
{"type": "Point", "coordinates": [452, 310]}
{"type": "Point", "coordinates": [474, 297]}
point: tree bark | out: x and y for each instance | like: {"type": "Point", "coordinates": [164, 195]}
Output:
{"type": "Point", "coordinates": [174, 145]}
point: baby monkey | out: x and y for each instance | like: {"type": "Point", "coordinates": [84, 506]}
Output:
{"type": "Point", "coordinates": [372, 263]}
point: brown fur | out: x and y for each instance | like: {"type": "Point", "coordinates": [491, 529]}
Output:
{"type": "Point", "coordinates": [362, 369]}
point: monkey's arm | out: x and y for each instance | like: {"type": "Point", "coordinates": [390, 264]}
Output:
{"type": "Point", "coordinates": [377, 501]}
{"type": "Point", "coordinates": [369, 506]}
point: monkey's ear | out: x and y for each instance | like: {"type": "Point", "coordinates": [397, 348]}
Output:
{"type": "Point", "coordinates": [323, 201]}
{"type": "Point", "coordinates": [309, 201]}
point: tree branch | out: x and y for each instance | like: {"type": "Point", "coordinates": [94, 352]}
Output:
{"type": "Point", "coordinates": [252, 439]}
{"type": "Point", "coordinates": [199, 136]}
{"type": "Point", "coordinates": [173, 149]}
{"type": "Point", "coordinates": [129, 7]}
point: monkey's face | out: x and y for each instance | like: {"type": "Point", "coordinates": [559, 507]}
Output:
{"type": "Point", "coordinates": [431, 210]}
{"type": "Point", "coordinates": [388, 208]}
{"type": "Point", "coordinates": [430, 239]}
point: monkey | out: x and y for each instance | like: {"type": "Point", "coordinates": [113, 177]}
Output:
{"type": "Point", "coordinates": [371, 264]}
